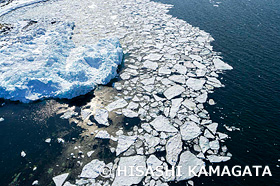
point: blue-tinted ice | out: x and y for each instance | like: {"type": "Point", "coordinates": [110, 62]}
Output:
{"type": "Point", "coordinates": [41, 61]}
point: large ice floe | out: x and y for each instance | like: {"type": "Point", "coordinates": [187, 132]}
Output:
{"type": "Point", "coordinates": [41, 61]}
{"type": "Point", "coordinates": [167, 79]}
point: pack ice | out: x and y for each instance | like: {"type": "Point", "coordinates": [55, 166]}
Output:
{"type": "Point", "coordinates": [40, 60]}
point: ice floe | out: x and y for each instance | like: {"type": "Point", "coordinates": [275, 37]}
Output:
{"type": "Point", "coordinates": [49, 65]}
{"type": "Point", "coordinates": [124, 142]}
{"type": "Point", "coordinates": [195, 84]}
{"type": "Point", "coordinates": [220, 65]}
{"type": "Point", "coordinates": [173, 149]}
{"type": "Point", "coordinates": [92, 169]}
{"type": "Point", "coordinates": [174, 91]}
{"type": "Point", "coordinates": [116, 105]}
{"type": "Point", "coordinates": [60, 179]}
{"type": "Point", "coordinates": [190, 130]}
{"type": "Point", "coordinates": [101, 116]}
{"type": "Point", "coordinates": [161, 123]}
{"type": "Point", "coordinates": [122, 179]}
{"type": "Point", "coordinates": [187, 161]}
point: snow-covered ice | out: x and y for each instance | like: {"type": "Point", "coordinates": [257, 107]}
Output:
{"type": "Point", "coordinates": [48, 64]}
{"type": "Point", "coordinates": [120, 103]}
{"type": "Point", "coordinates": [174, 91]}
{"type": "Point", "coordinates": [17, 4]}
{"type": "Point", "coordinates": [187, 162]}
{"type": "Point", "coordinates": [173, 149]}
{"type": "Point", "coordinates": [101, 116]}
{"type": "Point", "coordinates": [189, 130]}
{"type": "Point", "coordinates": [92, 169]}
{"type": "Point", "coordinates": [124, 142]}
{"type": "Point", "coordinates": [126, 162]}
{"type": "Point", "coordinates": [220, 65]}
{"type": "Point", "coordinates": [60, 179]}
{"type": "Point", "coordinates": [195, 84]}
{"type": "Point", "coordinates": [161, 123]}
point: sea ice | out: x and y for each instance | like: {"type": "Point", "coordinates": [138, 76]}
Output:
{"type": "Point", "coordinates": [60, 179]}
{"type": "Point", "coordinates": [124, 142]}
{"type": "Point", "coordinates": [150, 65]}
{"type": "Point", "coordinates": [101, 116]}
{"type": "Point", "coordinates": [188, 161]}
{"type": "Point", "coordinates": [103, 134]}
{"type": "Point", "coordinates": [161, 123]}
{"type": "Point", "coordinates": [174, 91]}
{"type": "Point", "coordinates": [176, 103]}
{"type": "Point", "coordinates": [195, 84]}
{"type": "Point", "coordinates": [92, 169]}
{"type": "Point", "coordinates": [129, 113]}
{"type": "Point", "coordinates": [217, 159]}
{"type": "Point", "coordinates": [116, 105]}
{"type": "Point", "coordinates": [122, 179]}
{"type": "Point", "coordinates": [153, 162]}
{"type": "Point", "coordinates": [48, 64]}
{"type": "Point", "coordinates": [13, 5]}
{"type": "Point", "coordinates": [220, 65]}
{"type": "Point", "coordinates": [173, 149]}
{"type": "Point", "coordinates": [189, 130]}
{"type": "Point", "coordinates": [23, 154]}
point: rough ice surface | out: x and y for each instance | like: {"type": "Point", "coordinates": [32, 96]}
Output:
{"type": "Point", "coordinates": [48, 64]}
{"type": "Point", "coordinates": [17, 4]}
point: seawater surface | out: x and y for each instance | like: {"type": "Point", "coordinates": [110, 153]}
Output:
{"type": "Point", "coordinates": [247, 33]}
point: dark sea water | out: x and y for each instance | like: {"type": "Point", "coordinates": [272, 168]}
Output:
{"type": "Point", "coordinates": [26, 127]}
{"type": "Point", "coordinates": [247, 33]}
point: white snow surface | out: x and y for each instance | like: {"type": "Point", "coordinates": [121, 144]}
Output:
{"type": "Point", "coordinates": [17, 4]}
{"type": "Point", "coordinates": [43, 62]}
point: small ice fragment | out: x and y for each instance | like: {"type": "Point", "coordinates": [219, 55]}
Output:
{"type": "Point", "coordinates": [60, 179]}
{"type": "Point", "coordinates": [129, 113]}
{"type": "Point", "coordinates": [161, 123]}
{"type": "Point", "coordinates": [103, 135]}
{"type": "Point", "coordinates": [211, 102]}
{"type": "Point", "coordinates": [60, 140]}
{"type": "Point", "coordinates": [48, 140]}
{"type": "Point", "coordinates": [36, 182]}
{"type": "Point", "coordinates": [89, 153]}
{"type": "Point", "coordinates": [23, 154]}
{"type": "Point", "coordinates": [220, 65]}
{"type": "Point", "coordinates": [101, 116]}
